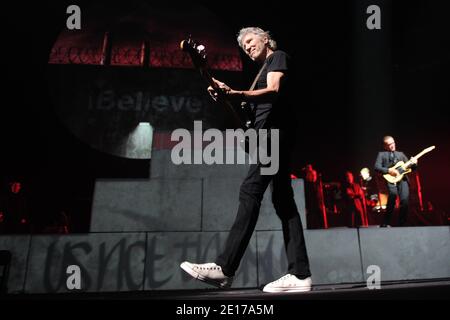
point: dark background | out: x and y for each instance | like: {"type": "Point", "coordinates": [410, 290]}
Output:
{"type": "Point", "coordinates": [355, 86]}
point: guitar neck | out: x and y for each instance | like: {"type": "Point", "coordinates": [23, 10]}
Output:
{"type": "Point", "coordinates": [207, 76]}
{"type": "Point", "coordinates": [198, 57]}
{"type": "Point", "coordinates": [424, 152]}
{"type": "Point", "coordinates": [420, 154]}
{"type": "Point", "coordinates": [209, 79]}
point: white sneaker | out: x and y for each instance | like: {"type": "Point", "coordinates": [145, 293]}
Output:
{"type": "Point", "coordinates": [289, 283]}
{"type": "Point", "coordinates": [208, 272]}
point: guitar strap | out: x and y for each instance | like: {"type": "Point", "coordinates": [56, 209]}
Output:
{"type": "Point", "coordinates": [257, 76]}
{"type": "Point", "coordinates": [252, 87]}
{"type": "Point", "coordinates": [244, 103]}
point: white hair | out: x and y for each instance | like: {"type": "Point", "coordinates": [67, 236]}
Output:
{"type": "Point", "coordinates": [259, 32]}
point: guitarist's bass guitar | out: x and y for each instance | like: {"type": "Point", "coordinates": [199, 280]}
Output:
{"type": "Point", "coordinates": [404, 167]}
{"type": "Point", "coordinates": [243, 116]}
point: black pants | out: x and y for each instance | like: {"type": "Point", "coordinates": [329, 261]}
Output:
{"type": "Point", "coordinates": [250, 197]}
{"type": "Point", "coordinates": [400, 189]}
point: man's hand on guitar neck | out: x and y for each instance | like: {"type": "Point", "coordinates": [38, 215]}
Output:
{"type": "Point", "coordinates": [222, 90]}
{"type": "Point", "coordinates": [413, 160]}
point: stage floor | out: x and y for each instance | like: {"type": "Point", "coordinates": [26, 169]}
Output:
{"type": "Point", "coordinates": [423, 289]}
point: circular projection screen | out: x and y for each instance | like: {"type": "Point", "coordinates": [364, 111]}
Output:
{"type": "Point", "coordinates": [122, 77]}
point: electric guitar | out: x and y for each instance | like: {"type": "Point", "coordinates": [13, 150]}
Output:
{"type": "Point", "coordinates": [243, 116]}
{"type": "Point", "coordinates": [404, 167]}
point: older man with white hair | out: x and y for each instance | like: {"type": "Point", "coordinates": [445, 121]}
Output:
{"type": "Point", "coordinates": [270, 107]}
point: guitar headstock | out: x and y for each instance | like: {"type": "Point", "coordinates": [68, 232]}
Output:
{"type": "Point", "coordinates": [424, 151]}
{"type": "Point", "coordinates": [196, 50]}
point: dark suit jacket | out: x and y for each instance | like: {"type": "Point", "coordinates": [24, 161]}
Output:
{"type": "Point", "coordinates": [384, 162]}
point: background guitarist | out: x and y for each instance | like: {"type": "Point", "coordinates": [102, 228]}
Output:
{"type": "Point", "coordinates": [384, 163]}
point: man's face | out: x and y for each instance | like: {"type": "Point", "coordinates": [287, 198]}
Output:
{"type": "Point", "coordinates": [349, 177]}
{"type": "Point", "coordinates": [255, 46]}
{"type": "Point", "coordinates": [389, 144]}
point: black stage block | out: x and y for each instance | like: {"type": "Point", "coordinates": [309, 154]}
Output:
{"type": "Point", "coordinates": [407, 252]}
{"type": "Point", "coordinates": [333, 254]}
{"type": "Point", "coordinates": [147, 205]}
{"type": "Point", "coordinates": [113, 262]}
{"type": "Point", "coordinates": [18, 246]}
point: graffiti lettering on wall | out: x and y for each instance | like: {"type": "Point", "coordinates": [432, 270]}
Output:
{"type": "Point", "coordinates": [100, 265]}
{"type": "Point", "coordinates": [119, 265]}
